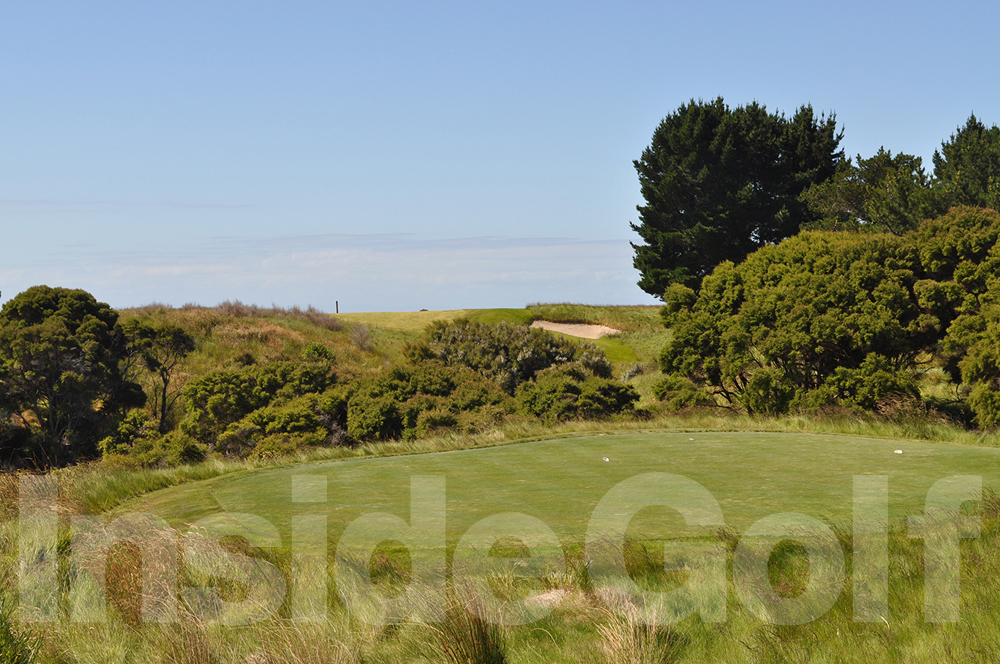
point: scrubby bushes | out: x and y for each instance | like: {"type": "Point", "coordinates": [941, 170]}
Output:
{"type": "Point", "coordinates": [842, 319]}
{"type": "Point", "coordinates": [569, 391]}
{"type": "Point", "coordinates": [816, 312]}
{"type": "Point", "coordinates": [286, 425]}
{"type": "Point", "coordinates": [507, 354]}
{"type": "Point", "coordinates": [222, 398]}
{"type": "Point", "coordinates": [138, 442]}
{"type": "Point", "coordinates": [961, 254]}
{"type": "Point", "coordinates": [408, 401]}
{"type": "Point", "coordinates": [677, 392]}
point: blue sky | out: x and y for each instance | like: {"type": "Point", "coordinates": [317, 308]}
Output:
{"type": "Point", "coordinates": [398, 156]}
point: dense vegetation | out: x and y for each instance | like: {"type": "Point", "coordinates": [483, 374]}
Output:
{"type": "Point", "coordinates": [802, 292]}
{"type": "Point", "coordinates": [886, 301]}
{"type": "Point", "coordinates": [846, 319]}
{"type": "Point", "coordinates": [719, 183]}
{"type": "Point", "coordinates": [159, 386]}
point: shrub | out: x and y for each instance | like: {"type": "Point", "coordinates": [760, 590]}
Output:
{"type": "Point", "coordinates": [875, 380]}
{"type": "Point", "coordinates": [306, 421]}
{"type": "Point", "coordinates": [570, 391]}
{"type": "Point", "coordinates": [507, 354]}
{"type": "Point", "coordinates": [768, 392]}
{"type": "Point", "coordinates": [221, 398]}
{"type": "Point", "coordinates": [800, 315]}
{"type": "Point", "coordinates": [135, 426]}
{"type": "Point", "coordinates": [677, 392]}
{"type": "Point", "coordinates": [172, 449]}
{"type": "Point", "coordinates": [317, 352]}
{"type": "Point", "coordinates": [961, 254]}
{"type": "Point", "coordinates": [373, 417]}
{"type": "Point", "coordinates": [407, 401]}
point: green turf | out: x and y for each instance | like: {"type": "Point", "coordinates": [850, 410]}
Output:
{"type": "Point", "coordinates": [752, 475]}
{"type": "Point", "coordinates": [614, 348]}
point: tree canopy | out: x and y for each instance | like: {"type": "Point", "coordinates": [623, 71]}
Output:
{"type": "Point", "coordinates": [719, 183]}
{"type": "Point", "coordinates": [967, 167]}
{"type": "Point", "coordinates": [885, 193]}
{"type": "Point", "coordinates": [60, 351]}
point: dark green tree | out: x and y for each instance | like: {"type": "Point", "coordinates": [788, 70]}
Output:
{"type": "Point", "coordinates": [720, 183]}
{"type": "Point", "coordinates": [961, 254]}
{"type": "Point", "coordinates": [881, 194]}
{"type": "Point", "coordinates": [967, 168]}
{"type": "Point", "coordinates": [161, 347]}
{"type": "Point", "coordinates": [60, 373]}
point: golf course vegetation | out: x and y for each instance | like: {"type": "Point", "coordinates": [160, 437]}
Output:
{"type": "Point", "coordinates": [794, 459]}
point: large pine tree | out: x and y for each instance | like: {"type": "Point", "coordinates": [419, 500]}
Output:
{"type": "Point", "coordinates": [720, 183]}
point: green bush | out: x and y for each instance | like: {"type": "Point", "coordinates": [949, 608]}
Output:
{"type": "Point", "coordinates": [222, 398]}
{"type": "Point", "coordinates": [768, 392]}
{"type": "Point", "coordinates": [677, 392]}
{"type": "Point", "coordinates": [306, 421]}
{"type": "Point", "coordinates": [571, 391]}
{"type": "Point", "coordinates": [371, 417]}
{"type": "Point", "coordinates": [407, 401]}
{"type": "Point", "coordinates": [135, 426]}
{"type": "Point", "coordinates": [507, 354]}
{"type": "Point", "coordinates": [807, 313]}
{"type": "Point", "coordinates": [872, 382]}
{"type": "Point", "coordinates": [961, 254]}
{"type": "Point", "coordinates": [158, 451]}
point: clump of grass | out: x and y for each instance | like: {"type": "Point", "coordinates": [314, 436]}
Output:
{"type": "Point", "coordinates": [186, 642]}
{"type": "Point", "coordinates": [16, 646]}
{"type": "Point", "coordinates": [465, 637]}
{"type": "Point", "coordinates": [626, 638]}
{"type": "Point", "coordinates": [361, 337]}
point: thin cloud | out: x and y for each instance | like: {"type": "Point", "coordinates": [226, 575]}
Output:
{"type": "Point", "coordinates": [363, 272]}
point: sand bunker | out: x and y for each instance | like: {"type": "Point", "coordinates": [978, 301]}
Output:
{"type": "Point", "coordinates": [577, 329]}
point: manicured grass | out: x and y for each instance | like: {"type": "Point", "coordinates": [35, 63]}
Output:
{"type": "Point", "coordinates": [752, 475]}
{"type": "Point", "coordinates": [558, 479]}
{"type": "Point", "coordinates": [613, 346]}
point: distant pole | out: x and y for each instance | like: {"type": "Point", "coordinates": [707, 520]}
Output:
{"type": "Point", "coordinates": [336, 306]}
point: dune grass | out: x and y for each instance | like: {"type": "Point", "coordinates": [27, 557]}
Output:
{"type": "Point", "coordinates": [413, 322]}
